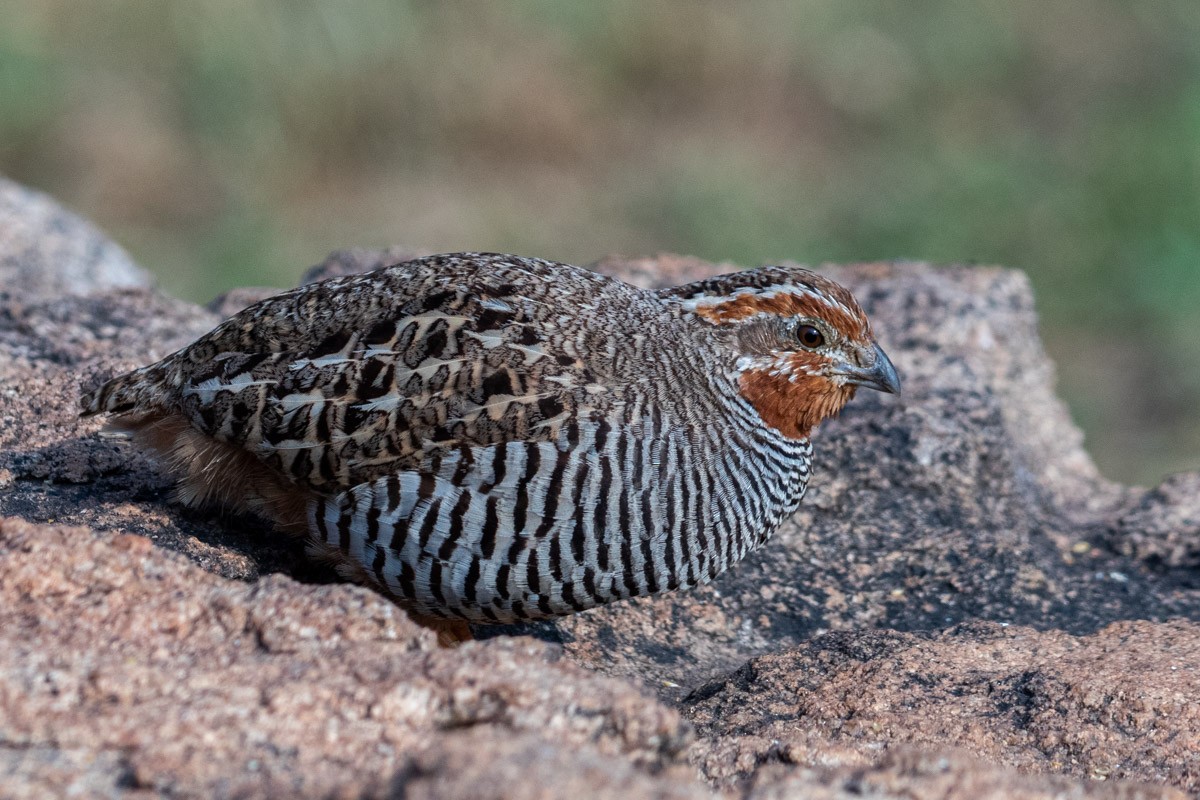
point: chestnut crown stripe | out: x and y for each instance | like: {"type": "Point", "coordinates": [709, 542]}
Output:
{"type": "Point", "coordinates": [813, 296]}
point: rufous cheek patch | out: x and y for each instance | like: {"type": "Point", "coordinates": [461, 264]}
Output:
{"type": "Point", "coordinates": [793, 404]}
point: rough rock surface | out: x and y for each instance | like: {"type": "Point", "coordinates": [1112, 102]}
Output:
{"type": "Point", "coordinates": [962, 607]}
{"type": "Point", "coordinates": [1010, 695]}
{"type": "Point", "coordinates": [188, 682]}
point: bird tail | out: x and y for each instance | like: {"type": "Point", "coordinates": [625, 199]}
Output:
{"type": "Point", "coordinates": [125, 393]}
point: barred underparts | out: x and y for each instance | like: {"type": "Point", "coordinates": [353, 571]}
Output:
{"type": "Point", "coordinates": [495, 438]}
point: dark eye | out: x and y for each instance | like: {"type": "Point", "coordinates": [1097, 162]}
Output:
{"type": "Point", "coordinates": [809, 336]}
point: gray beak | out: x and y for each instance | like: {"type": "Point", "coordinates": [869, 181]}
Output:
{"type": "Point", "coordinates": [879, 373]}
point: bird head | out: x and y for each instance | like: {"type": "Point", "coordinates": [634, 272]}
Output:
{"type": "Point", "coordinates": [803, 344]}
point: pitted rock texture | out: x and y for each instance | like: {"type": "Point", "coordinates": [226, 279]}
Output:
{"type": "Point", "coordinates": [962, 608]}
{"type": "Point", "coordinates": [905, 772]}
{"type": "Point", "coordinates": [188, 683]}
{"type": "Point", "coordinates": [1007, 695]}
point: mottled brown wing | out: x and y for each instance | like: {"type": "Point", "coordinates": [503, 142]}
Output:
{"type": "Point", "coordinates": [385, 385]}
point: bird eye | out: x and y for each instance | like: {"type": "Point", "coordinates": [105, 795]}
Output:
{"type": "Point", "coordinates": [810, 337]}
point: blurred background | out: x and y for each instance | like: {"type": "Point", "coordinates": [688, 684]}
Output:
{"type": "Point", "coordinates": [234, 143]}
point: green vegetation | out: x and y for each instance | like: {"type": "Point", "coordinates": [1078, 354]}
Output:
{"type": "Point", "coordinates": [235, 143]}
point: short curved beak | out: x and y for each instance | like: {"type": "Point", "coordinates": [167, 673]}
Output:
{"type": "Point", "coordinates": [879, 373]}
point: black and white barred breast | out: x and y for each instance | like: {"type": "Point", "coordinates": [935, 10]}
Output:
{"type": "Point", "coordinates": [482, 437]}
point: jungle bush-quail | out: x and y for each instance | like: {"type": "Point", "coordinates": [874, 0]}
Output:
{"type": "Point", "coordinates": [494, 438]}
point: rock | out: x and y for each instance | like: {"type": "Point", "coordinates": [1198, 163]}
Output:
{"type": "Point", "coordinates": [961, 608]}
{"type": "Point", "coordinates": [1162, 527]}
{"type": "Point", "coordinates": [184, 683]}
{"type": "Point", "coordinates": [1037, 700]}
{"type": "Point", "coordinates": [46, 250]}
{"type": "Point", "coordinates": [530, 768]}
{"type": "Point", "coordinates": [903, 773]}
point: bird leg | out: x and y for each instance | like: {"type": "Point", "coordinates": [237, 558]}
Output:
{"type": "Point", "coordinates": [450, 632]}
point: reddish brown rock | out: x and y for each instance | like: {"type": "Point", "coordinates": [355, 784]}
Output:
{"type": "Point", "coordinates": [181, 682]}
{"type": "Point", "coordinates": [1118, 704]}
{"type": "Point", "coordinates": [903, 773]}
{"type": "Point", "coordinates": [152, 649]}
{"type": "Point", "coordinates": [1162, 527]}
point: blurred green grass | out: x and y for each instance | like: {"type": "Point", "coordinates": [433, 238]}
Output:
{"type": "Point", "coordinates": [231, 143]}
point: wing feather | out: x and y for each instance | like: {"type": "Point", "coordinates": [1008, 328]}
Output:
{"type": "Point", "coordinates": [337, 384]}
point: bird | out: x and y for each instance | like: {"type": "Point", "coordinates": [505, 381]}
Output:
{"type": "Point", "coordinates": [489, 438]}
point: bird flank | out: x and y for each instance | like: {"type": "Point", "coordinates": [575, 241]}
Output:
{"type": "Point", "coordinates": [493, 438]}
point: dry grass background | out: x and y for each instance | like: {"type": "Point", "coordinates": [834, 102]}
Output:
{"type": "Point", "coordinates": [230, 143]}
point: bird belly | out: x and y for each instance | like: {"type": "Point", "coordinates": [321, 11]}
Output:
{"type": "Point", "coordinates": [539, 529]}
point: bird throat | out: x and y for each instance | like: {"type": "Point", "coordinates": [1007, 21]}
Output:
{"type": "Point", "coordinates": [793, 404]}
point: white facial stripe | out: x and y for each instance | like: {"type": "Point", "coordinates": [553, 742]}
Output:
{"type": "Point", "coordinates": [777, 364]}
{"type": "Point", "coordinates": [707, 300]}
